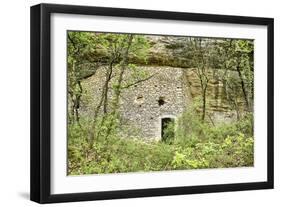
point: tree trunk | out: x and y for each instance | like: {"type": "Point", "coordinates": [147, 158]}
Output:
{"type": "Point", "coordinates": [106, 86]}
{"type": "Point", "coordinates": [123, 64]}
{"type": "Point", "coordinates": [243, 87]}
{"type": "Point", "coordinates": [204, 102]}
{"type": "Point", "coordinates": [103, 102]}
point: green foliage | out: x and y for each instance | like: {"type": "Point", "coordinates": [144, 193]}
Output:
{"type": "Point", "coordinates": [204, 146]}
{"type": "Point", "coordinates": [199, 146]}
{"type": "Point", "coordinates": [113, 155]}
{"type": "Point", "coordinates": [233, 151]}
{"type": "Point", "coordinates": [169, 132]}
{"type": "Point", "coordinates": [190, 127]}
{"type": "Point", "coordinates": [185, 160]}
{"type": "Point", "coordinates": [236, 56]}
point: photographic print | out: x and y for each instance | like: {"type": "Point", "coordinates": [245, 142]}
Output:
{"type": "Point", "coordinates": [130, 103]}
{"type": "Point", "coordinates": [140, 102]}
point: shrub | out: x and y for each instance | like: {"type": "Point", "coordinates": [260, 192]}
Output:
{"type": "Point", "coordinates": [169, 133]}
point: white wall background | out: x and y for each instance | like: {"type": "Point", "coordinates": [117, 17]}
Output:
{"type": "Point", "coordinates": [14, 101]}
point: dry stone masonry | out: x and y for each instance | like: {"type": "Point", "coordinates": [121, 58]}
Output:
{"type": "Point", "coordinates": [146, 104]}
{"type": "Point", "coordinates": [143, 105]}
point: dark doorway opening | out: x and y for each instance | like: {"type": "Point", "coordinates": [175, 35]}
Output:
{"type": "Point", "coordinates": [167, 129]}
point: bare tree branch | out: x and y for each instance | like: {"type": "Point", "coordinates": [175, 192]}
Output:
{"type": "Point", "coordinates": [138, 81]}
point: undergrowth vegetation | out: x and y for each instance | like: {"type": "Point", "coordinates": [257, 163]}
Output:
{"type": "Point", "coordinates": [195, 145]}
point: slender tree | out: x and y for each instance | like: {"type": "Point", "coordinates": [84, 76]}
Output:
{"type": "Point", "coordinates": [200, 53]}
{"type": "Point", "coordinates": [236, 57]}
{"type": "Point", "coordinates": [80, 65]}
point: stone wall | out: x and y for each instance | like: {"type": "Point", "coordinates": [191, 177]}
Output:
{"type": "Point", "coordinates": [143, 105]}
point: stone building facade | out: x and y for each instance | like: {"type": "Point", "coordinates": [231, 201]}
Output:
{"type": "Point", "coordinates": [144, 106]}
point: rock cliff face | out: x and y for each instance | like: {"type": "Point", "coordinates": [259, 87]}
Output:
{"type": "Point", "coordinates": [218, 107]}
{"type": "Point", "coordinates": [167, 51]}
{"type": "Point", "coordinates": [164, 51]}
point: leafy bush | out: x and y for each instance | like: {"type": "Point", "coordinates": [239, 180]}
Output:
{"type": "Point", "coordinates": [169, 133]}
{"type": "Point", "coordinates": [234, 151]}
{"type": "Point", "coordinates": [113, 155]}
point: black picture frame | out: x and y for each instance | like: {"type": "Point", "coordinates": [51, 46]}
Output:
{"type": "Point", "coordinates": [41, 97]}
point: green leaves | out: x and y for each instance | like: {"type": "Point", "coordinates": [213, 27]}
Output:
{"type": "Point", "coordinates": [224, 146]}
{"type": "Point", "coordinates": [184, 161]}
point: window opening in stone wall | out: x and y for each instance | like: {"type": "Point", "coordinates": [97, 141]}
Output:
{"type": "Point", "coordinates": [161, 101]}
